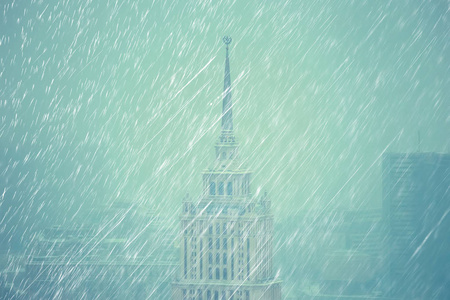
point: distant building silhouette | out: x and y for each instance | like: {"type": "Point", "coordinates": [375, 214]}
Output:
{"type": "Point", "coordinates": [416, 211]}
{"type": "Point", "coordinates": [339, 255]}
{"type": "Point", "coordinates": [226, 237]}
{"type": "Point", "coordinates": [352, 267]}
{"type": "Point", "coordinates": [119, 253]}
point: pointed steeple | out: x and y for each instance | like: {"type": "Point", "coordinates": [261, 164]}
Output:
{"type": "Point", "coordinates": [227, 147]}
{"type": "Point", "coordinates": [227, 115]}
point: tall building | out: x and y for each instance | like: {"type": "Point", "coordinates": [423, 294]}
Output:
{"type": "Point", "coordinates": [416, 211]}
{"type": "Point", "coordinates": [226, 237]}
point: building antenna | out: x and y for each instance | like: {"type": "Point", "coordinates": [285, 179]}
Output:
{"type": "Point", "coordinates": [418, 136]}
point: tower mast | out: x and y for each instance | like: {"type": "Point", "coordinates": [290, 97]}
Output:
{"type": "Point", "coordinates": [227, 114]}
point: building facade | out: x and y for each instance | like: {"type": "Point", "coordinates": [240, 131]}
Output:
{"type": "Point", "coordinates": [416, 212]}
{"type": "Point", "coordinates": [226, 234]}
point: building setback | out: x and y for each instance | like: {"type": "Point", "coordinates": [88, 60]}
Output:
{"type": "Point", "coordinates": [226, 234]}
{"type": "Point", "coordinates": [416, 212]}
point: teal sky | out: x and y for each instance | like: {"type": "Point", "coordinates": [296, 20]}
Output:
{"type": "Point", "coordinates": [104, 100]}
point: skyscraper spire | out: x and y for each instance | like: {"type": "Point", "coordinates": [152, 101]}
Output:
{"type": "Point", "coordinates": [227, 115]}
{"type": "Point", "coordinates": [226, 236]}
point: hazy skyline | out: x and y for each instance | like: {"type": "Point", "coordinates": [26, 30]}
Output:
{"type": "Point", "coordinates": [122, 100]}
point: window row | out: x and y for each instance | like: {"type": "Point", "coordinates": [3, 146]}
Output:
{"type": "Point", "coordinates": [200, 227]}
{"type": "Point", "coordinates": [213, 190]}
{"type": "Point", "coordinates": [228, 227]}
{"type": "Point", "coordinates": [193, 294]}
{"type": "Point", "coordinates": [217, 243]}
{"type": "Point", "coordinates": [217, 260]}
{"type": "Point", "coordinates": [234, 185]}
{"type": "Point", "coordinates": [218, 274]}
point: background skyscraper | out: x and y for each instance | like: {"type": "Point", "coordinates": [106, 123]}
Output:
{"type": "Point", "coordinates": [416, 208]}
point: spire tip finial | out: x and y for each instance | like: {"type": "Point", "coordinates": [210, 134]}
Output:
{"type": "Point", "coordinates": [227, 40]}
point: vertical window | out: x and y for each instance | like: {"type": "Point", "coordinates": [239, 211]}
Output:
{"type": "Point", "coordinates": [210, 243]}
{"type": "Point", "coordinates": [221, 187]}
{"type": "Point", "coordinates": [217, 258]}
{"type": "Point", "coordinates": [246, 185]}
{"type": "Point", "coordinates": [247, 295]}
{"type": "Point", "coordinates": [225, 275]}
{"type": "Point", "coordinates": [212, 188]}
{"type": "Point", "coordinates": [210, 258]}
{"type": "Point", "coordinates": [185, 258]}
{"type": "Point", "coordinates": [224, 231]}
{"type": "Point", "coordinates": [225, 258]}
{"type": "Point", "coordinates": [210, 229]}
{"type": "Point", "coordinates": [201, 258]}
{"type": "Point", "coordinates": [216, 295]}
{"type": "Point", "coordinates": [248, 258]}
{"type": "Point", "coordinates": [210, 273]}
{"type": "Point", "coordinates": [218, 243]}
{"type": "Point", "coordinates": [201, 267]}
{"type": "Point", "coordinates": [208, 295]}
{"type": "Point", "coordinates": [224, 244]}
{"type": "Point", "coordinates": [232, 266]}
{"type": "Point", "coordinates": [229, 188]}
{"type": "Point", "coordinates": [217, 273]}
{"type": "Point", "coordinates": [218, 228]}
{"type": "Point", "coordinates": [200, 294]}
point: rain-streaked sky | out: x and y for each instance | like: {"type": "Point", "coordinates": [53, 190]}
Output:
{"type": "Point", "coordinates": [106, 100]}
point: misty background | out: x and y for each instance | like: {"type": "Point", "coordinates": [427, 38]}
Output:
{"type": "Point", "coordinates": [121, 100]}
